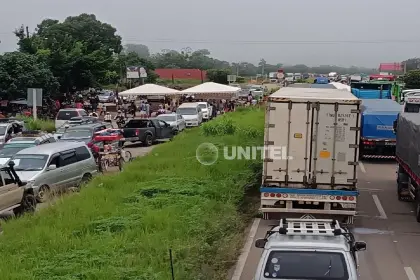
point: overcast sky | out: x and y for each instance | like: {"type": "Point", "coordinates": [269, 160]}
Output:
{"type": "Point", "coordinates": [358, 32]}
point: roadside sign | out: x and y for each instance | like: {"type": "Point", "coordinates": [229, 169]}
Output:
{"type": "Point", "coordinates": [231, 78]}
{"type": "Point", "coordinates": [143, 73]}
{"type": "Point", "coordinates": [133, 72]}
{"type": "Point", "coordinates": [34, 93]}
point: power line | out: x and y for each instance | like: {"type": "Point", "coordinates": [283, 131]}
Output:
{"type": "Point", "coordinates": [261, 42]}
{"type": "Point", "coordinates": [265, 42]}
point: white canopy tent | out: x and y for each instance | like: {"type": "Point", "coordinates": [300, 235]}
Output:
{"type": "Point", "coordinates": [149, 90]}
{"type": "Point", "coordinates": [212, 90]}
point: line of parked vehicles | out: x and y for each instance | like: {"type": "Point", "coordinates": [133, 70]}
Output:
{"type": "Point", "coordinates": [36, 164]}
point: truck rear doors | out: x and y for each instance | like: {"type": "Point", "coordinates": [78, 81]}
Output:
{"type": "Point", "coordinates": [311, 144]}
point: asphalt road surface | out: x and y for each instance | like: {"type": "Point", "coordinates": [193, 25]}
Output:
{"type": "Point", "coordinates": [387, 225]}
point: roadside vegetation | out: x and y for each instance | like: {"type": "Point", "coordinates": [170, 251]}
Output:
{"type": "Point", "coordinates": [122, 226]}
{"type": "Point", "coordinates": [39, 124]}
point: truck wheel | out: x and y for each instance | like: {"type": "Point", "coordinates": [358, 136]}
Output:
{"type": "Point", "coordinates": [418, 211]}
{"type": "Point", "coordinates": [28, 205]}
{"type": "Point", "coordinates": [148, 141]}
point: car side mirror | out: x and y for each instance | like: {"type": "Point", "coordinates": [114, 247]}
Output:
{"type": "Point", "coordinates": [52, 167]}
{"type": "Point", "coordinates": [260, 243]}
{"type": "Point", "coordinates": [11, 164]}
{"type": "Point", "coordinates": [394, 125]}
{"type": "Point", "coordinates": [360, 246]}
{"type": "Point", "coordinates": [58, 137]}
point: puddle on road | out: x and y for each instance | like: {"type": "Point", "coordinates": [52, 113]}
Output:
{"type": "Point", "coordinates": [370, 231]}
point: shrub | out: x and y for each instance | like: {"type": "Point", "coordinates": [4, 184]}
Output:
{"type": "Point", "coordinates": [39, 124]}
{"type": "Point", "coordinates": [121, 226]}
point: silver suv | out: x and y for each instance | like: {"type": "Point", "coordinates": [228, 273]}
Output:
{"type": "Point", "coordinates": [308, 249]}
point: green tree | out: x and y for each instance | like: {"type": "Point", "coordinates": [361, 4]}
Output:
{"type": "Point", "coordinates": [20, 71]}
{"type": "Point", "coordinates": [79, 51]}
{"type": "Point", "coordinates": [412, 79]}
{"type": "Point", "coordinates": [218, 75]}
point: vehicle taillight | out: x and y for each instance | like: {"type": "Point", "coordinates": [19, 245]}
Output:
{"type": "Point", "coordinates": [137, 132]}
{"type": "Point", "coordinates": [272, 194]}
{"type": "Point", "coordinates": [368, 143]}
{"type": "Point", "coordinates": [338, 197]}
{"type": "Point", "coordinates": [351, 198]}
{"type": "Point", "coordinates": [266, 194]}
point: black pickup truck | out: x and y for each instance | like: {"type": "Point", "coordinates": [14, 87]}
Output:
{"type": "Point", "coordinates": [147, 131]}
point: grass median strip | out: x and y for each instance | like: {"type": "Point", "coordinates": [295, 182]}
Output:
{"type": "Point", "coordinates": [122, 226]}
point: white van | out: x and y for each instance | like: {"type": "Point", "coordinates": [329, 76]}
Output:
{"type": "Point", "coordinates": [54, 167]}
{"type": "Point", "coordinates": [207, 110]}
{"type": "Point", "coordinates": [192, 114]}
{"type": "Point", "coordinates": [64, 115]}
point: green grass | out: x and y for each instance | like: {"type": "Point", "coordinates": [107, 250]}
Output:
{"type": "Point", "coordinates": [121, 227]}
{"type": "Point", "coordinates": [39, 124]}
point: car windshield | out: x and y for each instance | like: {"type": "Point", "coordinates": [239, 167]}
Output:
{"type": "Point", "coordinates": [202, 106]}
{"type": "Point", "coordinates": [167, 118]}
{"type": "Point", "coordinates": [67, 115]}
{"type": "Point", "coordinates": [186, 111]}
{"type": "Point", "coordinates": [9, 150]}
{"type": "Point", "coordinates": [306, 265]}
{"type": "Point", "coordinates": [29, 162]}
{"type": "Point", "coordinates": [77, 133]}
{"type": "Point", "coordinates": [105, 94]}
{"type": "Point", "coordinates": [3, 130]}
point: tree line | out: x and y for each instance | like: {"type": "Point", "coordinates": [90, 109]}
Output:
{"type": "Point", "coordinates": [82, 52]}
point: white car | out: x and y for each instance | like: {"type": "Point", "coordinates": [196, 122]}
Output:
{"type": "Point", "coordinates": [65, 115]}
{"type": "Point", "coordinates": [174, 120]}
{"type": "Point", "coordinates": [206, 109]}
{"type": "Point", "coordinates": [191, 113]}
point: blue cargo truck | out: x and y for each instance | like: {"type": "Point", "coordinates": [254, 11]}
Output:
{"type": "Point", "coordinates": [368, 90]}
{"type": "Point", "coordinates": [377, 138]}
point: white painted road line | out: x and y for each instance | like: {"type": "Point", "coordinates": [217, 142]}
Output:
{"type": "Point", "coordinates": [247, 248]}
{"type": "Point", "coordinates": [379, 206]}
{"type": "Point", "coordinates": [410, 273]}
{"type": "Point", "coordinates": [362, 167]}
{"type": "Point", "coordinates": [369, 190]}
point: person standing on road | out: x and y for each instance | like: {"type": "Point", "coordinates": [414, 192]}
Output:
{"type": "Point", "coordinates": [147, 107]}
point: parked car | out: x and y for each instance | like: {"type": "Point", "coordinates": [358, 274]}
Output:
{"type": "Point", "coordinates": [54, 167]}
{"type": "Point", "coordinates": [14, 194]}
{"type": "Point", "coordinates": [106, 97]}
{"type": "Point", "coordinates": [65, 115]}
{"type": "Point", "coordinates": [9, 129]}
{"type": "Point", "coordinates": [206, 109]}
{"type": "Point", "coordinates": [26, 140]}
{"type": "Point", "coordinates": [148, 131]}
{"type": "Point", "coordinates": [83, 133]}
{"type": "Point", "coordinates": [192, 113]}
{"type": "Point", "coordinates": [174, 120]}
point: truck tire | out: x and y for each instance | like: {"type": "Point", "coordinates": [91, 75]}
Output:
{"type": "Point", "coordinates": [148, 141]}
{"type": "Point", "coordinates": [418, 211]}
{"type": "Point", "coordinates": [28, 205]}
{"type": "Point", "coordinates": [402, 183]}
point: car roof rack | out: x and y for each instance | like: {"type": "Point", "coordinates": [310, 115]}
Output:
{"type": "Point", "coordinates": [318, 227]}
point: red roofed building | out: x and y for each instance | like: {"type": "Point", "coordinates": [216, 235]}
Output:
{"type": "Point", "coordinates": [193, 74]}
{"type": "Point", "coordinates": [390, 67]}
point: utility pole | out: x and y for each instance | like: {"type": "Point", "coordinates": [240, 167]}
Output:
{"type": "Point", "coordinates": [27, 32]}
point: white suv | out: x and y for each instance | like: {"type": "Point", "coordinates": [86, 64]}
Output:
{"type": "Point", "coordinates": [308, 249]}
{"type": "Point", "coordinates": [206, 109]}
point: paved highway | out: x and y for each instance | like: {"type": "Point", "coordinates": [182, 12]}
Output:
{"type": "Point", "coordinates": [387, 225]}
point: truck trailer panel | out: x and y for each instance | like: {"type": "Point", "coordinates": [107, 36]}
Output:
{"type": "Point", "coordinates": [311, 152]}
{"type": "Point", "coordinates": [377, 138]}
{"type": "Point", "coordinates": [317, 131]}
